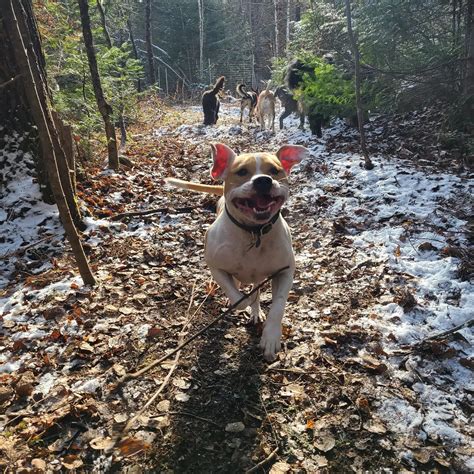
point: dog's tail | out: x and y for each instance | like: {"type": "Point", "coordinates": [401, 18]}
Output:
{"type": "Point", "coordinates": [219, 85]}
{"type": "Point", "coordinates": [240, 89]}
{"type": "Point", "coordinates": [218, 190]}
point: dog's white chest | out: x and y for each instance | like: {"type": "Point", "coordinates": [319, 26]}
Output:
{"type": "Point", "coordinates": [234, 250]}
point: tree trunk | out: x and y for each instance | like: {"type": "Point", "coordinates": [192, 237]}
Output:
{"type": "Point", "coordinates": [104, 107]}
{"type": "Point", "coordinates": [42, 118]}
{"type": "Point", "coordinates": [468, 88]}
{"type": "Point", "coordinates": [201, 39]}
{"type": "Point", "coordinates": [149, 44]}
{"type": "Point", "coordinates": [277, 30]}
{"type": "Point", "coordinates": [134, 49]}
{"type": "Point", "coordinates": [27, 24]}
{"type": "Point", "coordinates": [103, 21]}
{"type": "Point", "coordinates": [288, 12]}
{"type": "Point", "coordinates": [360, 110]}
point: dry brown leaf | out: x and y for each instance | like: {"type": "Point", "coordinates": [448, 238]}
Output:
{"type": "Point", "coordinates": [102, 443]}
{"type": "Point", "coordinates": [131, 446]}
{"type": "Point", "coordinates": [375, 426]}
{"type": "Point", "coordinates": [280, 468]}
{"type": "Point", "coordinates": [71, 461]}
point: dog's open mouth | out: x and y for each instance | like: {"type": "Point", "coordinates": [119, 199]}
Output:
{"type": "Point", "coordinates": [260, 206]}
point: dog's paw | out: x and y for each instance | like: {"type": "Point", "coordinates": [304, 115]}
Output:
{"type": "Point", "coordinates": [270, 341]}
{"type": "Point", "coordinates": [258, 317]}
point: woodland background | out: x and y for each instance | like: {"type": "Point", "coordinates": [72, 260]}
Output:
{"type": "Point", "coordinates": [99, 102]}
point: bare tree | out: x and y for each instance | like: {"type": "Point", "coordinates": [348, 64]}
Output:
{"type": "Point", "coordinates": [103, 21]}
{"type": "Point", "coordinates": [360, 110]}
{"type": "Point", "coordinates": [104, 107]}
{"type": "Point", "coordinates": [201, 38]}
{"type": "Point", "coordinates": [149, 44]}
{"type": "Point", "coordinates": [134, 49]}
{"type": "Point", "coordinates": [43, 119]}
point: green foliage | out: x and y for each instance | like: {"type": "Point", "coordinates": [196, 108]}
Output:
{"type": "Point", "coordinates": [327, 91]}
{"type": "Point", "coordinates": [68, 68]}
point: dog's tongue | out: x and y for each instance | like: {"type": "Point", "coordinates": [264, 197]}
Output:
{"type": "Point", "coordinates": [263, 201]}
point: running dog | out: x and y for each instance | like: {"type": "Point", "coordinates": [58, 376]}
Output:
{"type": "Point", "coordinates": [248, 100]}
{"type": "Point", "coordinates": [250, 240]}
{"type": "Point", "coordinates": [210, 102]}
{"type": "Point", "coordinates": [266, 108]}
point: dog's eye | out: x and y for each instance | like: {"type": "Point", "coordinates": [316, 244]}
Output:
{"type": "Point", "coordinates": [274, 170]}
{"type": "Point", "coordinates": [242, 172]}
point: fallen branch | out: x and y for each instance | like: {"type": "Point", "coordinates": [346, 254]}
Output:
{"type": "Point", "coordinates": [26, 247]}
{"type": "Point", "coordinates": [140, 372]}
{"type": "Point", "coordinates": [263, 462]}
{"type": "Point", "coordinates": [164, 210]}
{"type": "Point", "coordinates": [442, 335]}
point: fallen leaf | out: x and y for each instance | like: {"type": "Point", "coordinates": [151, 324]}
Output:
{"type": "Point", "coordinates": [103, 444]}
{"type": "Point", "coordinates": [131, 446]}
{"type": "Point", "coordinates": [71, 461]}
{"type": "Point", "coordinates": [280, 468]}
{"type": "Point", "coordinates": [375, 426]}
{"type": "Point", "coordinates": [324, 442]}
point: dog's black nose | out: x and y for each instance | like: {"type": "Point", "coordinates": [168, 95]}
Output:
{"type": "Point", "coordinates": [263, 184]}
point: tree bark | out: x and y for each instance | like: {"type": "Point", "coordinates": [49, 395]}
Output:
{"type": "Point", "coordinates": [103, 21]}
{"type": "Point", "coordinates": [149, 44]}
{"type": "Point", "coordinates": [43, 120]}
{"type": "Point", "coordinates": [277, 30]}
{"type": "Point", "coordinates": [27, 23]}
{"type": "Point", "coordinates": [104, 107]}
{"type": "Point", "coordinates": [134, 49]}
{"type": "Point", "coordinates": [201, 39]}
{"type": "Point", "coordinates": [468, 88]}
{"type": "Point", "coordinates": [360, 110]}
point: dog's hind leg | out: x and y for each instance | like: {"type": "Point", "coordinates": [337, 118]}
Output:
{"type": "Point", "coordinates": [283, 116]}
{"type": "Point", "coordinates": [256, 312]}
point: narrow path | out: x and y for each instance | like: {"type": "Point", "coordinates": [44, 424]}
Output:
{"type": "Point", "coordinates": [377, 273]}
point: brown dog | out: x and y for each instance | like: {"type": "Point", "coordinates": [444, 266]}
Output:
{"type": "Point", "coordinates": [266, 108]}
{"type": "Point", "coordinates": [250, 239]}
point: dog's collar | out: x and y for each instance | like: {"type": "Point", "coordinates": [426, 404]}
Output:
{"type": "Point", "coordinates": [256, 230]}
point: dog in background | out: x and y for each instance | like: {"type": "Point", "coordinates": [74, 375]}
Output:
{"type": "Point", "coordinates": [266, 108]}
{"type": "Point", "coordinates": [293, 79]}
{"type": "Point", "coordinates": [248, 100]}
{"type": "Point", "coordinates": [290, 105]}
{"type": "Point", "coordinates": [210, 102]}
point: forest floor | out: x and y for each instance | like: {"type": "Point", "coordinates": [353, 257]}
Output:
{"type": "Point", "coordinates": [376, 366]}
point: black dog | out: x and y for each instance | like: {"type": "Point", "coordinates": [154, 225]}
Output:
{"type": "Point", "coordinates": [293, 79]}
{"type": "Point", "coordinates": [289, 104]}
{"type": "Point", "coordinates": [210, 102]}
{"type": "Point", "coordinates": [248, 100]}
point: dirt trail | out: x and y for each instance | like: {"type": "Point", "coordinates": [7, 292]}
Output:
{"type": "Point", "coordinates": [224, 409]}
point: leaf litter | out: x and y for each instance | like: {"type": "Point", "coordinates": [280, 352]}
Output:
{"type": "Point", "coordinates": [383, 261]}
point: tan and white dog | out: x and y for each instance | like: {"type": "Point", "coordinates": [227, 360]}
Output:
{"type": "Point", "coordinates": [266, 108]}
{"type": "Point", "coordinates": [250, 240]}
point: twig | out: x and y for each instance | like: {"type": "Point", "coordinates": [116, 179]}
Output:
{"type": "Point", "coordinates": [442, 335]}
{"type": "Point", "coordinates": [140, 372]}
{"type": "Point", "coordinates": [7, 83]}
{"type": "Point", "coordinates": [130, 422]}
{"type": "Point", "coordinates": [263, 462]}
{"type": "Point", "coordinates": [26, 247]}
{"type": "Point", "coordinates": [187, 413]}
{"type": "Point", "coordinates": [165, 210]}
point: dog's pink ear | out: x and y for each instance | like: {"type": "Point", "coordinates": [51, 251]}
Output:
{"type": "Point", "coordinates": [223, 157]}
{"type": "Point", "coordinates": [290, 155]}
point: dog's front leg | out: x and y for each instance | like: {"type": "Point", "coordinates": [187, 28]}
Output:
{"type": "Point", "coordinates": [227, 283]}
{"type": "Point", "coordinates": [271, 336]}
